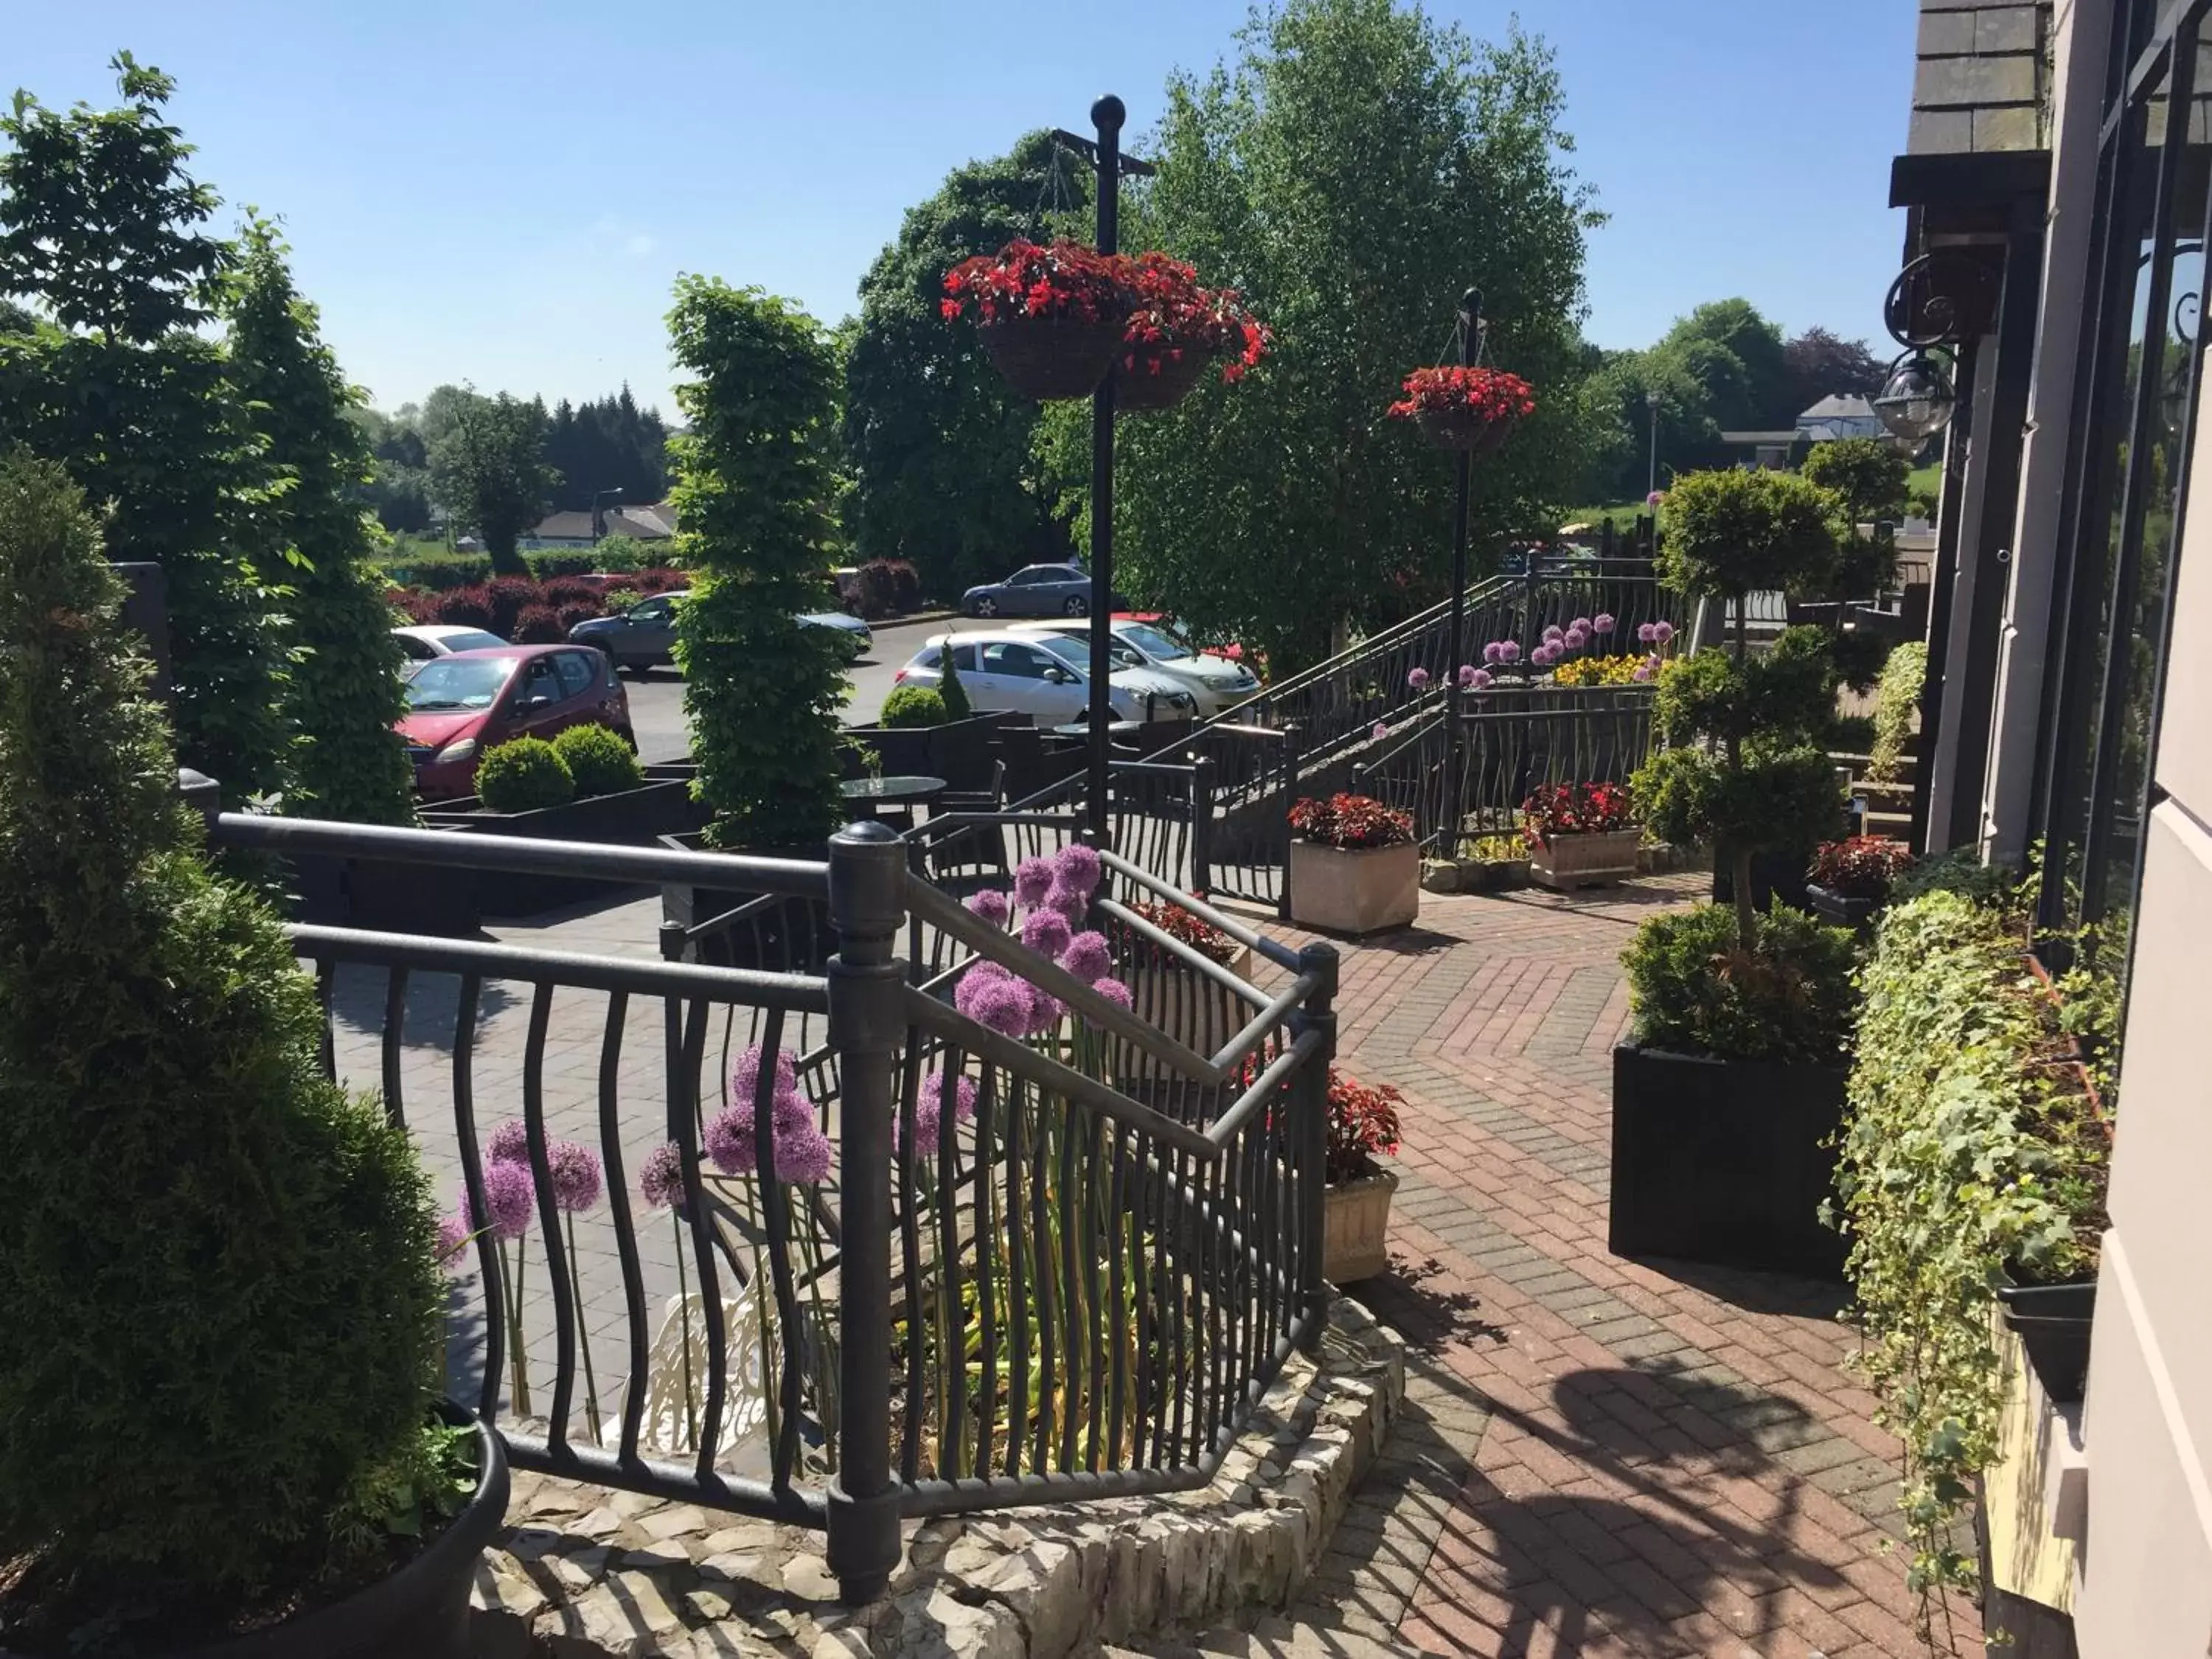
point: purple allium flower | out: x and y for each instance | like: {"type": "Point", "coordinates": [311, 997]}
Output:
{"type": "Point", "coordinates": [1655, 498]}
{"type": "Point", "coordinates": [577, 1178]}
{"type": "Point", "coordinates": [929, 1107]}
{"type": "Point", "coordinates": [1045, 931]}
{"type": "Point", "coordinates": [1481, 681]}
{"type": "Point", "coordinates": [509, 1143]}
{"type": "Point", "coordinates": [1642, 672]}
{"type": "Point", "coordinates": [1540, 656]}
{"type": "Point", "coordinates": [1494, 651]}
{"type": "Point", "coordinates": [1382, 729]}
{"type": "Point", "coordinates": [1114, 992]}
{"type": "Point", "coordinates": [1046, 1011]}
{"type": "Point", "coordinates": [1468, 671]}
{"type": "Point", "coordinates": [1580, 625]}
{"type": "Point", "coordinates": [1069, 905]}
{"type": "Point", "coordinates": [1603, 623]}
{"type": "Point", "coordinates": [803, 1160]}
{"type": "Point", "coordinates": [1508, 651]}
{"type": "Point", "coordinates": [1554, 634]}
{"type": "Point", "coordinates": [1661, 631]}
{"type": "Point", "coordinates": [992, 905]}
{"type": "Point", "coordinates": [1576, 639]}
{"type": "Point", "coordinates": [792, 1114]}
{"type": "Point", "coordinates": [745, 1075]}
{"type": "Point", "coordinates": [1644, 632]}
{"type": "Point", "coordinates": [1418, 679]}
{"type": "Point", "coordinates": [1088, 957]}
{"type": "Point", "coordinates": [729, 1141]}
{"type": "Point", "coordinates": [1653, 661]}
{"type": "Point", "coordinates": [662, 1178]}
{"type": "Point", "coordinates": [1033, 881]}
{"type": "Point", "coordinates": [1077, 869]}
{"type": "Point", "coordinates": [997, 1001]}
{"type": "Point", "coordinates": [511, 1196]}
{"type": "Point", "coordinates": [455, 1235]}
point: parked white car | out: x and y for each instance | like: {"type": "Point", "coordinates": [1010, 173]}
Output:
{"type": "Point", "coordinates": [435, 640]}
{"type": "Point", "coordinates": [1215, 682]}
{"type": "Point", "coordinates": [1045, 676]}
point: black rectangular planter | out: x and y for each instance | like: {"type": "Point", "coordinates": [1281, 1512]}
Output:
{"type": "Point", "coordinates": [1842, 909]}
{"type": "Point", "coordinates": [632, 817]}
{"type": "Point", "coordinates": [2052, 1322]}
{"type": "Point", "coordinates": [781, 935]}
{"type": "Point", "coordinates": [959, 752]}
{"type": "Point", "coordinates": [384, 898]}
{"type": "Point", "coordinates": [1722, 1161]}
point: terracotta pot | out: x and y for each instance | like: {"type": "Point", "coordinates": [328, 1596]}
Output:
{"type": "Point", "coordinates": [1355, 1225]}
{"type": "Point", "coordinates": [1357, 892]}
{"type": "Point", "coordinates": [1586, 860]}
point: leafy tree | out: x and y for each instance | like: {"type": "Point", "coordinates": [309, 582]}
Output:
{"type": "Point", "coordinates": [1736, 355]}
{"type": "Point", "coordinates": [187, 1203]}
{"type": "Point", "coordinates": [102, 228]}
{"type": "Point", "coordinates": [1818, 362]}
{"type": "Point", "coordinates": [1350, 172]}
{"type": "Point", "coordinates": [397, 489]}
{"type": "Point", "coordinates": [1867, 479]}
{"type": "Point", "coordinates": [488, 468]}
{"type": "Point", "coordinates": [310, 533]}
{"type": "Point", "coordinates": [940, 451]}
{"type": "Point", "coordinates": [609, 444]}
{"type": "Point", "coordinates": [761, 689]}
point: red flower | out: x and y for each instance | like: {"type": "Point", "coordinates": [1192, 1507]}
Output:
{"type": "Point", "coordinates": [1489, 393]}
{"type": "Point", "coordinates": [1573, 809]}
{"type": "Point", "coordinates": [950, 308]}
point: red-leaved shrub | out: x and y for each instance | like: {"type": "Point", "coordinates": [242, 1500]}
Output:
{"type": "Point", "coordinates": [464, 607]}
{"type": "Point", "coordinates": [538, 624]}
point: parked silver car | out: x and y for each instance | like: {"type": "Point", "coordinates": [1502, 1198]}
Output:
{"type": "Point", "coordinates": [1044, 676]}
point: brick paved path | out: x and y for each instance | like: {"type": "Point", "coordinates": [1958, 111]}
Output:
{"type": "Point", "coordinates": [1601, 1457]}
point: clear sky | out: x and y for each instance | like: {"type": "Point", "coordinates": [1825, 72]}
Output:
{"type": "Point", "coordinates": [502, 192]}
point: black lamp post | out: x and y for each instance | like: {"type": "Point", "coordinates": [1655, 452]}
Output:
{"type": "Point", "coordinates": [1470, 348]}
{"type": "Point", "coordinates": [1105, 155]}
{"type": "Point", "coordinates": [598, 521]}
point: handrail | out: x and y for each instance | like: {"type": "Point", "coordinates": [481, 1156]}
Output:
{"type": "Point", "coordinates": [793, 992]}
{"type": "Point", "coordinates": [1188, 955]}
{"type": "Point", "coordinates": [1281, 955]}
{"type": "Point", "coordinates": [1226, 1128]}
{"type": "Point", "coordinates": [521, 855]}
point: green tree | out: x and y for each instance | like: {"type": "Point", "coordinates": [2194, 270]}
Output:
{"type": "Point", "coordinates": [102, 229]}
{"type": "Point", "coordinates": [311, 535]}
{"type": "Point", "coordinates": [762, 690]}
{"type": "Point", "coordinates": [397, 489]}
{"type": "Point", "coordinates": [943, 469]}
{"type": "Point", "coordinates": [1352, 171]}
{"type": "Point", "coordinates": [488, 469]}
{"type": "Point", "coordinates": [219, 1316]}
{"type": "Point", "coordinates": [1820, 362]}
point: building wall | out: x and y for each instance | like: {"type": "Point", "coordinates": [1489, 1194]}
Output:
{"type": "Point", "coordinates": [1980, 82]}
{"type": "Point", "coordinates": [2146, 1585]}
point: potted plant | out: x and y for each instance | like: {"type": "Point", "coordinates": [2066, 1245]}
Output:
{"type": "Point", "coordinates": [1355, 867]}
{"type": "Point", "coordinates": [1851, 878]}
{"type": "Point", "coordinates": [1183, 1003]}
{"type": "Point", "coordinates": [1356, 1191]}
{"type": "Point", "coordinates": [1579, 834]}
{"type": "Point", "coordinates": [1733, 1082]}
{"type": "Point", "coordinates": [1470, 408]}
{"type": "Point", "coordinates": [1050, 318]}
{"type": "Point", "coordinates": [223, 1224]}
{"type": "Point", "coordinates": [1176, 330]}
{"type": "Point", "coordinates": [1494, 864]}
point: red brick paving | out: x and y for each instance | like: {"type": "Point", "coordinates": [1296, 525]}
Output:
{"type": "Point", "coordinates": [1606, 1457]}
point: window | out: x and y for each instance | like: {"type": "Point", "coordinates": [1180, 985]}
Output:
{"type": "Point", "coordinates": [655, 611]}
{"type": "Point", "coordinates": [964, 659]}
{"type": "Point", "coordinates": [454, 682]}
{"type": "Point", "coordinates": [543, 680]}
{"type": "Point", "coordinates": [1155, 644]}
{"type": "Point", "coordinates": [1031, 577]}
{"type": "Point", "coordinates": [417, 650]}
{"type": "Point", "coordinates": [577, 673]}
{"type": "Point", "coordinates": [2135, 409]}
{"type": "Point", "coordinates": [927, 657]}
{"type": "Point", "coordinates": [1021, 662]}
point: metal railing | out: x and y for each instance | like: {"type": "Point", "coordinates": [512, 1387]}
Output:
{"type": "Point", "coordinates": [985, 1269]}
{"type": "Point", "coordinates": [1514, 741]}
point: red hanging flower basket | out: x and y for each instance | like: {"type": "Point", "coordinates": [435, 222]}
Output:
{"type": "Point", "coordinates": [1051, 318]}
{"type": "Point", "coordinates": [1178, 328]}
{"type": "Point", "coordinates": [1472, 408]}
{"type": "Point", "coordinates": [1154, 377]}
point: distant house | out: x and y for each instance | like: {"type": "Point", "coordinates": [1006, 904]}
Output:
{"type": "Point", "coordinates": [1839, 417]}
{"type": "Point", "coordinates": [656, 523]}
{"type": "Point", "coordinates": [1770, 451]}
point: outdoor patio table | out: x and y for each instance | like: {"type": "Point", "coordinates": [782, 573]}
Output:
{"type": "Point", "coordinates": [894, 796]}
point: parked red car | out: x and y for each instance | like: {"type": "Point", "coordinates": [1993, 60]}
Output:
{"type": "Point", "coordinates": [459, 706]}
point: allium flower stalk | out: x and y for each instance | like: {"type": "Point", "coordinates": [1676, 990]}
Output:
{"type": "Point", "coordinates": [1661, 631]}
{"type": "Point", "coordinates": [1579, 625]}
{"type": "Point", "coordinates": [1494, 651]}
{"type": "Point", "coordinates": [1509, 651]}
{"type": "Point", "coordinates": [1575, 638]}
{"type": "Point", "coordinates": [745, 1075]}
{"type": "Point", "coordinates": [1381, 730]}
{"type": "Point", "coordinates": [1481, 680]}
{"type": "Point", "coordinates": [992, 905]}
{"type": "Point", "coordinates": [929, 1109]}
{"type": "Point", "coordinates": [511, 1196]}
{"type": "Point", "coordinates": [454, 1236]}
{"type": "Point", "coordinates": [1033, 881]}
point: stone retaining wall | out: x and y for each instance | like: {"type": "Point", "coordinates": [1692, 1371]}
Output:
{"type": "Point", "coordinates": [582, 1572]}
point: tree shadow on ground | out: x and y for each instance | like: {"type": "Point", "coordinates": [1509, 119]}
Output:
{"type": "Point", "coordinates": [1431, 1319]}
{"type": "Point", "coordinates": [360, 1003]}
{"type": "Point", "coordinates": [1785, 1294]}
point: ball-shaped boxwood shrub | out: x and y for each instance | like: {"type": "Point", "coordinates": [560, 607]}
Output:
{"type": "Point", "coordinates": [914, 705]}
{"type": "Point", "coordinates": [523, 776]}
{"type": "Point", "coordinates": [221, 1310]}
{"type": "Point", "coordinates": [1694, 990]}
{"type": "Point", "coordinates": [600, 763]}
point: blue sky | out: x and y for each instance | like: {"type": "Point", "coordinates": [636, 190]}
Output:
{"type": "Point", "coordinates": [503, 192]}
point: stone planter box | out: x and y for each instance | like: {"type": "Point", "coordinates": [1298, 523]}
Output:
{"type": "Point", "coordinates": [1591, 860]}
{"type": "Point", "coordinates": [1355, 1217]}
{"type": "Point", "coordinates": [1354, 892]}
{"type": "Point", "coordinates": [631, 817]}
{"type": "Point", "coordinates": [1725, 1161]}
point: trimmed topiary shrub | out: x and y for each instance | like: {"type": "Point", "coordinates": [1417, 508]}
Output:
{"type": "Point", "coordinates": [523, 776]}
{"type": "Point", "coordinates": [957, 704]}
{"type": "Point", "coordinates": [914, 705]}
{"type": "Point", "coordinates": [599, 761]}
{"type": "Point", "coordinates": [538, 624]}
{"type": "Point", "coordinates": [1789, 1000]}
{"type": "Point", "coordinates": [220, 1314]}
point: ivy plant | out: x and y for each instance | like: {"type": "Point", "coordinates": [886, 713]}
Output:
{"type": "Point", "coordinates": [763, 691]}
{"type": "Point", "coordinates": [1973, 1154]}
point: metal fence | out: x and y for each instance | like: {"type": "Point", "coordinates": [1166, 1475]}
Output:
{"type": "Point", "coordinates": [1514, 741]}
{"type": "Point", "coordinates": [857, 1256]}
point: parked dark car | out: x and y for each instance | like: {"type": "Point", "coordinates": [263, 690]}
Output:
{"type": "Point", "coordinates": [644, 636]}
{"type": "Point", "coordinates": [1036, 590]}
{"type": "Point", "coordinates": [461, 706]}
